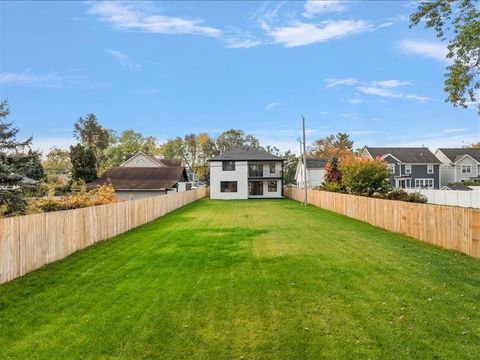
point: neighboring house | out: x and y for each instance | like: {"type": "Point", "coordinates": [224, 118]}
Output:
{"type": "Point", "coordinates": [194, 179]}
{"type": "Point", "coordinates": [143, 176]}
{"type": "Point", "coordinates": [315, 172]}
{"type": "Point", "coordinates": [141, 159]}
{"type": "Point", "coordinates": [458, 165]}
{"type": "Point", "coordinates": [411, 168]}
{"type": "Point", "coordinates": [245, 173]}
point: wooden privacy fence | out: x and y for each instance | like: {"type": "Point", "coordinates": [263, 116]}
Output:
{"type": "Point", "coordinates": [31, 241]}
{"type": "Point", "coordinates": [450, 227]}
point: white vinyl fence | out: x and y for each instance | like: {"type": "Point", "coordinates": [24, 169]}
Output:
{"type": "Point", "coordinates": [451, 197]}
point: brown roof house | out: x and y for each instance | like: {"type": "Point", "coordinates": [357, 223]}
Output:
{"type": "Point", "coordinates": [143, 176]}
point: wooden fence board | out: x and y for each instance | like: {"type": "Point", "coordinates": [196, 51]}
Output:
{"type": "Point", "coordinates": [31, 241]}
{"type": "Point", "coordinates": [453, 228]}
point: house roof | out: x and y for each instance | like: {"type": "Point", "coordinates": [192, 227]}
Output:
{"type": "Point", "coordinates": [141, 178]}
{"type": "Point", "coordinates": [316, 163]}
{"type": "Point", "coordinates": [457, 187]}
{"type": "Point", "coordinates": [409, 155]}
{"type": "Point", "coordinates": [455, 154]}
{"type": "Point", "coordinates": [171, 162]}
{"type": "Point", "coordinates": [246, 153]}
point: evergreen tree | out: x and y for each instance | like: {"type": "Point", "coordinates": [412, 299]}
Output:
{"type": "Point", "coordinates": [93, 135]}
{"type": "Point", "coordinates": [84, 163]}
{"type": "Point", "coordinates": [13, 162]}
{"type": "Point", "coordinates": [34, 168]}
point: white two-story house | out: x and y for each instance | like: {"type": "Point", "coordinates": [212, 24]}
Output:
{"type": "Point", "coordinates": [458, 165]}
{"type": "Point", "coordinates": [246, 173]}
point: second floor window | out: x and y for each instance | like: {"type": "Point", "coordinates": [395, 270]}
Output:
{"type": "Point", "coordinates": [272, 168]}
{"type": "Point", "coordinates": [466, 169]}
{"type": "Point", "coordinates": [228, 166]}
{"type": "Point", "coordinates": [391, 167]}
{"type": "Point", "coordinates": [408, 169]}
{"type": "Point", "coordinates": [255, 170]}
{"type": "Point", "coordinates": [429, 169]}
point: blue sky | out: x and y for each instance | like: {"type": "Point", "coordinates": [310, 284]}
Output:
{"type": "Point", "coordinates": [172, 68]}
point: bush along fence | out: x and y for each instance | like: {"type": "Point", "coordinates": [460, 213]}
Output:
{"type": "Point", "coordinates": [453, 228]}
{"type": "Point", "coordinates": [31, 241]}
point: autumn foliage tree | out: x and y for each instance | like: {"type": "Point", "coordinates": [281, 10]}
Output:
{"type": "Point", "coordinates": [363, 176]}
{"type": "Point", "coordinates": [338, 145]}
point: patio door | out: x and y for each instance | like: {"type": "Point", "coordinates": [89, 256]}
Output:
{"type": "Point", "coordinates": [255, 188]}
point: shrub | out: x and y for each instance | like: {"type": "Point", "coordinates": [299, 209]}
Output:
{"type": "Point", "coordinates": [104, 194]}
{"type": "Point", "coordinates": [402, 195]}
{"type": "Point", "coordinates": [363, 176]}
{"type": "Point", "coordinates": [332, 187]}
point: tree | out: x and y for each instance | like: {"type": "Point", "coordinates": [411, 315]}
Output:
{"type": "Point", "coordinates": [473, 146]}
{"type": "Point", "coordinates": [84, 163]}
{"type": "Point", "coordinates": [363, 176]}
{"type": "Point", "coordinates": [128, 144]}
{"type": "Point", "coordinates": [57, 162]}
{"type": "Point", "coordinates": [331, 146]}
{"type": "Point", "coordinates": [93, 135]}
{"type": "Point", "coordinates": [459, 22]}
{"type": "Point", "coordinates": [231, 139]}
{"type": "Point", "coordinates": [34, 169]}
{"type": "Point", "coordinates": [332, 171]}
{"type": "Point", "coordinates": [289, 166]}
{"type": "Point", "coordinates": [13, 164]}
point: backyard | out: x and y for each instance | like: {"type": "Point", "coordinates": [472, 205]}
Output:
{"type": "Point", "coordinates": [247, 279]}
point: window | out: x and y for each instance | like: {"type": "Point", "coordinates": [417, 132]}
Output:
{"type": "Point", "coordinates": [429, 169]}
{"type": "Point", "coordinates": [392, 168]}
{"type": "Point", "coordinates": [272, 168]}
{"type": "Point", "coordinates": [140, 162]}
{"type": "Point", "coordinates": [272, 186]}
{"type": "Point", "coordinates": [424, 183]}
{"type": "Point", "coordinates": [228, 186]}
{"type": "Point", "coordinates": [408, 169]}
{"type": "Point", "coordinates": [466, 169]}
{"type": "Point", "coordinates": [228, 166]}
{"type": "Point", "coordinates": [255, 170]}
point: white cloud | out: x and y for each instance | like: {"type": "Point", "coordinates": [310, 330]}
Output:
{"type": "Point", "coordinates": [130, 16]}
{"type": "Point", "coordinates": [429, 49]}
{"type": "Point", "coordinates": [329, 83]}
{"type": "Point", "coordinates": [391, 84]}
{"type": "Point", "coordinates": [385, 92]}
{"type": "Point", "coordinates": [452, 131]}
{"type": "Point", "coordinates": [59, 79]}
{"type": "Point", "coordinates": [271, 105]}
{"type": "Point", "coordinates": [316, 7]}
{"type": "Point", "coordinates": [355, 101]}
{"type": "Point", "coordinates": [383, 88]}
{"type": "Point", "coordinates": [124, 60]}
{"type": "Point", "coordinates": [241, 43]}
{"type": "Point", "coordinates": [350, 116]}
{"type": "Point", "coordinates": [300, 34]}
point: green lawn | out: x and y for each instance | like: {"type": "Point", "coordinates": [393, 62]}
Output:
{"type": "Point", "coordinates": [263, 279]}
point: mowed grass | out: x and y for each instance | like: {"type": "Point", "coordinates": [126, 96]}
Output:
{"type": "Point", "coordinates": [257, 279]}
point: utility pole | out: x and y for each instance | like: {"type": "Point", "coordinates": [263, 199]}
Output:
{"type": "Point", "coordinates": [305, 200]}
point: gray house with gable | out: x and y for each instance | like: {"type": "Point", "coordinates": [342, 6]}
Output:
{"type": "Point", "coordinates": [411, 168]}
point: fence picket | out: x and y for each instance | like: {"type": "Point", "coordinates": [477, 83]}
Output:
{"type": "Point", "coordinates": [450, 227]}
{"type": "Point", "coordinates": [31, 241]}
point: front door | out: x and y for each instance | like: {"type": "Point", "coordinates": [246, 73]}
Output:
{"type": "Point", "coordinates": [255, 188]}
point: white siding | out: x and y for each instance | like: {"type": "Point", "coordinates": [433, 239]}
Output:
{"type": "Point", "coordinates": [140, 160]}
{"type": "Point", "coordinates": [240, 175]}
{"type": "Point", "coordinates": [458, 169]}
{"type": "Point", "coordinates": [314, 176]}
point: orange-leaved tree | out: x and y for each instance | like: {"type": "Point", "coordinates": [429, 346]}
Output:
{"type": "Point", "coordinates": [363, 176]}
